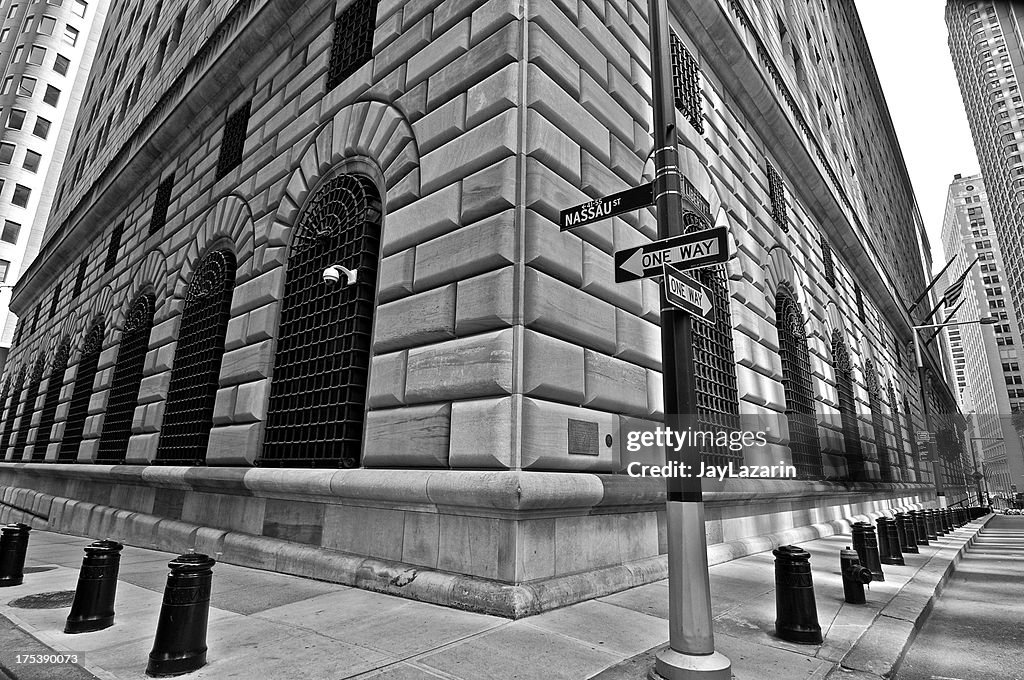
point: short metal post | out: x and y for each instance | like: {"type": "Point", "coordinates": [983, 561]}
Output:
{"type": "Point", "coordinates": [13, 548]}
{"type": "Point", "coordinates": [796, 613]}
{"type": "Point", "coordinates": [866, 545]}
{"type": "Point", "coordinates": [921, 524]}
{"type": "Point", "coordinates": [906, 523]}
{"type": "Point", "coordinates": [180, 644]}
{"type": "Point", "coordinates": [93, 608]}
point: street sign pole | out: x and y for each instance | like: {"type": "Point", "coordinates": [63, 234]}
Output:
{"type": "Point", "coordinates": [691, 651]}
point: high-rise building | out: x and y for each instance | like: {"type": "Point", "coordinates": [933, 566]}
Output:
{"type": "Point", "coordinates": [986, 42]}
{"type": "Point", "coordinates": [987, 360]}
{"type": "Point", "coordinates": [46, 50]}
{"type": "Point", "coordinates": [456, 419]}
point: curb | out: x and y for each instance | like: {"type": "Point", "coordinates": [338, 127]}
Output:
{"type": "Point", "coordinates": [880, 650]}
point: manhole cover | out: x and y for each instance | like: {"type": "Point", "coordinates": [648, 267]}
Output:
{"type": "Point", "coordinates": [36, 570]}
{"type": "Point", "coordinates": [54, 600]}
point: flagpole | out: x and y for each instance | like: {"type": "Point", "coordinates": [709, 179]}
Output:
{"type": "Point", "coordinates": [944, 300]}
{"type": "Point", "coordinates": [931, 285]}
{"type": "Point", "coordinates": [948, 317]}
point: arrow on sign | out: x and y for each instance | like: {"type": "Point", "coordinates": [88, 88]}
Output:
{"type": "Point", "coordinates": [689, 251]}
{"type": "Point", "coordinates": [688, 294]}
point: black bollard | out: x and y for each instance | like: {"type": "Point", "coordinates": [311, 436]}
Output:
{"type": "Point", "coordinates": [947, 514]}
{"type": "Point", "coordinates": [882, 536]}
{"type": "Point", "coordinates": [892, 541]}
{"type": "Point", "coordinates": [866, 545]}
{"type": "Point", "coordinates": [940, 527]}
{"type": "Point", "coordinates": [13, 547]}
{"type": "Point", "coordinates": [93, 608]}
{"type": "Point", "coordinates": [906, 524]}
{"type": "Point", "coordinates": [855, 576]}
{"type": "Point", "coordinates": [929, 520]}
{"type": "Point", "coordinates": [796, 614]}
{"type": "Point", "coordinates": [921, 524]}
{"type": "Point", "coordinates": [180, 644]}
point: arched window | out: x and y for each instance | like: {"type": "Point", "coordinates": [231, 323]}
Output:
{"type": "Point", "coordinates": [84, 377]}
{"type": "Point", "coordinates": [188, 415]}
{"type": "Point", "coordinates": [12, 410]}
{"type": "Point", "coordinates": [797, 385]}
{"type": "Point", "coordinates": [718, 403]}
{"type": "Point", "coordinates": [847, 407]}
{"type": "Point", "coordinates": [911, 432]}
{"type": "Point", "coordinates": [897, 428]}
{"type": "Point", "coordinates": [877, 420]}
{"type": "Point", "coordinates": [318, 389]}
{"type": "Point", "coordinates": [30, 407]}
{"type": "Point", "coordinates": [124, 387]}
{"type": "Point", "coordinates": [53, 388]}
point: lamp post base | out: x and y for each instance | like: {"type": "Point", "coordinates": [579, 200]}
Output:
{"type": "Point", "coordinates": [672, 665]}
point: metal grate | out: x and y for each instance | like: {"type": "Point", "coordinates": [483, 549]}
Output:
{"type": "Point", "coordinates": [317, 395]}
{"type": "Point", "coordinates": [12, 410]}
{"type": "Point", "coordinates": [112, 247]}
{"type": "Point", "coordinates": [798, 385]}
{"type": "Point", "coordinates": [161, 203]}
{"type": "Point", "coordinates": [83, 267]}
{"type": "Point", "coordinates": [55, 301]}
{"type": "Point", "coordinates": [777, 194]}
{"type": "Point", "coordinates": [718, 405]}
{"type": "Point", "coordinates": [124, 387]}
{"type": "Point", "coordinates": [828, 263]}
{"type": "Point", "coordinates": [686, 83]}
{"type": "Point", "coordinates": [897, 427]}
{"type": "Point", "coordinates": [859, 296]}
{"type": "Point", "coordinates": [353, 41]}
{"type": "Point", "coordinates": [3, 401]}
{"type": "Point", "coordinates": [79, 407]}
{"type": "Point", "coordinates": [233, 143]}
{"type": "Point", "coordinates": [847, 407]}
{"type": "Point", "coordinates": [30, 408]}
{"type": "Point", "coordinates": [53, 388]}
{"type": "Point", "coordinates": [878, 421]}
{"type": "Point", "coordinates": [195, 377]}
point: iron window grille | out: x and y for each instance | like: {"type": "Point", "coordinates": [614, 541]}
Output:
{"type": "Point", "coordinates": [46, 419]}
{"type": "Point", "coordinates": [35, 316]}
{"type": "Point", "coordinates": [82, 393]}
{"type": "Point", "coordinates": [124, 387]}
{"type": "Point", "coordinates": [897, 426]}
{"type": "Point", "coordinates": [113, 246]}
{"type": "Point", "coordinates": [353, 41]}
{"type": "Point", "coordinates": [318, 389]}
{"type": "Point", "coordinates": [911, 431]}
{"type": "Point", "coordinates": [55, 301]}
{"type": "Point", "coordinates": [686, 83]}
{"type": "Point", "coordinates": [798, 385]}
{"type": "Point", "coordinates": [827, 262]}
{"type": "Point", "coordinates": [847, 407]}
{"type": "Point", "coordinates": [161, 203]}
{"type": "Point", "coordinates": [3, 399]}
{"type": "Point", "coordinates": [859, 296]}
{"type": "Point", "coordinates": [12, 410]}
{"type": "Point", "coordinates": [188, 415]}
{"type": "Point", "coordinates": [777, 194]}
{"type": "Point", "coordinates": [233, 143]}
{"type": "Point", "coordinates": [878, 421]}
{"type": "Point", "coordinates": [718, 405]}
{"type": "Point", "coordinates": [30, 408]}
{"type": "Point", "coordinates": [83, 267]}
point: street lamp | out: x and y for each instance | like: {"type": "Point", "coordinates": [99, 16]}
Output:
{"type": "Point", "coordinates": [919, 358]}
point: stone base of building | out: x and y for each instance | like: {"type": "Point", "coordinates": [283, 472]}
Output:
{"type": "Point", "coordinates": [508, 543]}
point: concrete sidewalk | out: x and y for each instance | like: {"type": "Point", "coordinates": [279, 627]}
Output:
{"type": "Point", "coordinates": [283, 627]}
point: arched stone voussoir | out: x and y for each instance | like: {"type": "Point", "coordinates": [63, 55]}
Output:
{"type": "Point", "coordinates": [229, 221]}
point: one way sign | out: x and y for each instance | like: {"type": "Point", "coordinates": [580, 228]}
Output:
{"type": "Point", "coordinates": [688, 294]}
{"type": "Point", "coordinates": [689, 251]}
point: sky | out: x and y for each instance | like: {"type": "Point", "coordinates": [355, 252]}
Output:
{"type": "Point", "coordinates": [908, 45]}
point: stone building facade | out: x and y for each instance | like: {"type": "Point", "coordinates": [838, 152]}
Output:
{"type": "Point", "coordinates": [451, 426]}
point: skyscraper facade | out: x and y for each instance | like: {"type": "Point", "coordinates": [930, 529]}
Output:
{"type": "Point", "coordinates": [986, 43]}
{"type": "Point", "coordinates": [986, 359]}
{"type": "Point", "coordinates": [46, 49]}
{"type": "Point", "coordinates": [459, 416]}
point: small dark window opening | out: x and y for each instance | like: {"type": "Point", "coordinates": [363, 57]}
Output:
{"type": "Point", "coordinates": [686, 83]}
{"type": "Point", "coordinates": [234, 140]}
{"type": "Point", "coordinates": [829, 264]}
{"type": "Point", "coordinates": [113, 246]}
{"type": "Point", "coordinates": [161, 204]}
{"type": "Point", "coordinates": [83, 267]}
{"type": "Point", "coordinates": [777, 193]}
{"type": "Point", "coordinates": [353, 41]}
{"type": "Point", "coordinates": [55, 302]}
{"type": "Point", "coordinates": [859, 295]}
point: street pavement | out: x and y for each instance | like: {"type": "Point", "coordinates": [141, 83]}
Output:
{"type": "Point", "coordinates": [976, 629]}
{"type": "Point", "coordinates": [275, 626]}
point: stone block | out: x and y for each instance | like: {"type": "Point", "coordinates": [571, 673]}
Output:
{"type": "Point", "coordinates": [485, 302]}
{"type": "Point", "coordinates": [394, 277]}
{"type": "Point", "coordinates": [570, 38]}
{"type": "Point", "coordinates": [441, 125]}
{"type": "Point", "coordinates": [596, 99]}
{"type": "Point", "coordinates": [387, 380]}
{"type": "Point", "coordinates": [545, 437]}
{"type": "Point", "coordinates": [568, 313]}
{"type": "Point", "coordinates": [483, 368]}
{"type": "Point", "coordinates": [483, 59]}
{"type": "Point", "coordinates": [548, 194]}
{"type": "Point", "coordinates": [599, 280]}
{"type": "Point", "coordinates": [251, 402]}
{"type": "Point", "coordinates": [489, 191]}
{"type": "Point", "coordinates": [142, 449]}
{"type": "Point", "coordinates": [549, 56]}
{"type": "Point", "coordinates": [247, 364]}
{"type": "Point", "coordinates": [434, 214]}
{"type": "Point", "coordinates": [614, 385]}
{"type": "Point", "coordinates": [624, 161]}
{"type": "Point", "coordinates": [415, 320]}
{"type": "Point", "coordinates": [637, 340]}
{"type": "Point", "coordinates": [552, 147]}
{"type": "Point", "coordinates": [420, 542]}
{"type": "Point", "coordinates": [479, 147]}
{"type": "Point", "coordinates": [482, 434]}
{"type": "Point", "coordinates": [552, 368]}
{"type": "Point", "coordinates": [489, 17]}
{"type": "Point", "coordinates": [552, 251]}
{"type": "Point", "coordinates": [257, 292]}
{"type": "Point", "coordinates": [475, 546]}
{"type": "Point", "coordinates": [566, 112]}
{"type": "Point", "coordinates": [234, 444]}
{"type": "Point", "coordinates": [411, 436]}
{"type": "Point", "coordinates": [494, 94]}
{"type": "Point", "coordinates": [438, 53]}
{"type": "Point", "coordinates": [407, 43]}
{"type": "Point", "coordinates": [483, 246]}
{"type": "Point", "coordinates": [154, 388]}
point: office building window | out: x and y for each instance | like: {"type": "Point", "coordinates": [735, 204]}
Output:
{"type": "Point", "coordinates": [32, 161]}
{"type": "Point", "coordinates": [51, 96]}
{"type": "Point", "coordinates": [79, 8]}
{"type": "Point", "coordinates": [41, 128]}
{"type": "Point", "coordinates": [4, 266]}
{"type": "Point", "coordinates": [36, 55]}
{"type": "Point", "coordinates": [21, 195]}
{"type": "Point", "coordinates": [6, 152]}
{"type": "Point", "coordinates": [46, 25]}
{"type": "Point", "coordinates": [16, 119]}
{"type": "Point", "coordinates": [26, 86]}
{"type": "Point", "coordinates": [61, 64]}
{"type": "Point", "coordinates": [10, 232]}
